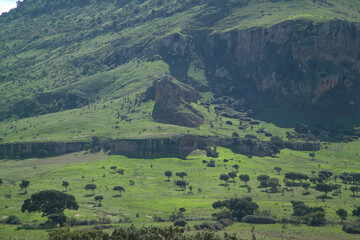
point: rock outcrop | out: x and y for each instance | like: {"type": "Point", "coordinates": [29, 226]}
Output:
{"type": "Point", "coordinates": [173, 103]}
{"type": "Point", "coordinates": [295, 60]}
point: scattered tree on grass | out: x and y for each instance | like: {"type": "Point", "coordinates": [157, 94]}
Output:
{"type": "Point", "coordinates": [263, 178]}
{"type": "Point", "coordinates": [91, 187]}
{"type": "Point", "coordinates": [278, 169]}
{"type": "Point", "coordinates": [24, 185]}
{"type": "Point", "coordinates": [224, 177]}
{"type": "Point", "coordinates": [113, 168]}
{"type": "Point", "coordinates": [355, 190]}
{"type": "Point", "coordinates": [180, 183]}
{"type": "Point", "coordinates": [238, 207]}
{"type": "Point", "coordinates": [236, 167]}
{"type": "Point", "coordinates": [312, 155]}
{"type": "Point", "coordinates": [233, 175]}
{"type": "Point", "coordinates": [325, 188]}
{"type": "Point", "coordinates": [119, 189]}
{"type": "Point", "coordinates": [325, 175]}
{"type": "Point", "coordinates": [313, 216]}
{"type": "Point", "coordinates": [51, 203]}
{"type": "Point", "coordinates": [356, 212]}
{"type": "Point", "coordinates": [168, 174]}
{"type": "Point", "coordinates": [306, 186]}
{"type": "Point", "coordinates": [181, 175]}
{"type": "Point", "coordinates": [65, 184]}
{"type": "Point", "coordinates": [99, 199]}
{"type": "Point", "coordinates": [244, 178]}
{"type": "Point", "coordinates": [274, 184]}
{"type": "Point", "coordinates": [1, 181]}
{"type": "Point", "coordinates": [121, 171]}
{"type": "Point", "coordinates": [342, 213]}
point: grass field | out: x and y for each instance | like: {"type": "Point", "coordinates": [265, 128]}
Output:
{"type": "Point", "coordinates": [152, 195]}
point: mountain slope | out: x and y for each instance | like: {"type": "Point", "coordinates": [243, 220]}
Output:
{"type": "Point", "coordinates": [61, 55]}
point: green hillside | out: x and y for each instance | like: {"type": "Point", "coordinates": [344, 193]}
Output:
{"type": "Point", "coordinates": [151, 86]}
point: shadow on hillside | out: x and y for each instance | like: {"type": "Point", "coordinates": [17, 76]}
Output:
{"type": "Point", "coordinates": [334, 119]}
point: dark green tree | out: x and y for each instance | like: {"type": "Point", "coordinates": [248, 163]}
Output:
{"type": "Point", "coordinates": [181, 175]}
{"type": "Point", "coordinates": [342, 213]}
{"type": "Point", "coordinates": [278, 169]}
{"type": "Point", "coordinates": [168, 174]}
{"type": "Point", "coordinates": [1, 181]}
{"type": "Point", "coordinates": [238, 207]}
{"type": "Point", "coordinates": [180, 183]}
{"type": "Point", "coordinates": [65, 184]}
{"type": "Point", "coordinates": [224, 177]}
{"type": "Point", "coordinates": [233, 175]}
{"type": "Point", "coordinates": [325, 188]}
{"type": "Point", "coordinates": [263, 178]}
{"type": "Point", "coordinates": [51, 203]}
{"type": "Point", "coordinates": [99, 199]}
{"type": "Point", "coordinates": [236, 167]}
{"type": "Point", "coordinates": [119, 189]}
{"type": "Point", "coordinates": [306, 186]}
{"type": "Point", "coordinates": [91, 187]}
{"type": "Point", "coordinates": [24, 185]}
{"type": "Point", "coordinates": [244, 178]}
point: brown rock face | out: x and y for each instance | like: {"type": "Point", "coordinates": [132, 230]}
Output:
{"type": "Point", "coordinates": [173, 103]}
{"type": "Point", "coordinates": [294, 59]}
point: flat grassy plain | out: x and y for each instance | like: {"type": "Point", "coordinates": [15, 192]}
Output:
{"type": "Point", "coordinates": [153, 196]}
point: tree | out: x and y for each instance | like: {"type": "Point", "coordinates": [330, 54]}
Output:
{"type": "Point", "coordinates": [24, 185]}
{"type": "Point", "coordinates": [356, 212]}
{"type": "Point", "coordinates": [233, 175]}
{"type": "Point", "coordinates": [181, 175]}
{"type": "Point", "coordinates": [1, 181]}
{"type": "Point", "coordinates": [51, 203]}
{"type": "Point", "coordinates": [244, 178]}
{"type": "Point", "coordinates": [306, 186]}
{"type": "Point", "coordinates": [273, 183]}
{"type": "Point", "coordinates": [342, 213]}
{"type": "Point", "coordinates": [355, 190]}
{"type": "Point", "coordinates": [181, 184]}
{"type": "Point", "coordinates": [312, 155]}
{"type": "Point", "coordinates": [263, 178]}
{"type": "Point", "coordinates": [238, 207]}
{"type": "Point", "coordinates": [119, 189]}
{"type": "Point", "coordinates": [323, 187]}
{"type": "Point", "coordinates": [65, 184]}
{"type": "Point", "coordinates": [278, 169]}
{"type": "Point", "coordinates": [224, 177]}
{"type": "Point", "coordinates": [91, 187]}
{"type": "Point", "coordinates": [168, 174]}
{"type": "Point", "coordinates": [236, 167]}
{"type": "Point", "coordinates": [99, 199]}
{"type": "Point", "coordinates": [325, 175]}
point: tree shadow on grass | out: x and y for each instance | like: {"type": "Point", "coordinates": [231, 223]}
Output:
{"type": "Point", "coordinates": [22, 194]}
{"type": "Point", "coordinates": [89, 195]}
{"type": "Point", "coordinates": [116, 196]}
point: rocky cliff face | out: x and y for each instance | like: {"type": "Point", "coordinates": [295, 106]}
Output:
{"type": "Point", "coordinates": [33, 149]}
{"type": "Point", "coordinates": [173, 103]}
{"type": "Point", "coordinates": [292, 60]}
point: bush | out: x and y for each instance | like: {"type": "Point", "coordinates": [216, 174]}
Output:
{"type": "Point", "coordinates": [211, 163]}
{"type": "Point", "coordinates": [315, 219]}
{"type": "Point", "coordinates": [258, 219]}
{"type": "Point", "coordinates": [12, 220]}
{"type": "Point", "coordinates": [353, 228]}
{"type": "Point", "coordinates": [180, 223]}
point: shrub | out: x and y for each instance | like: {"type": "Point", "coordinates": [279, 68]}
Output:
{"type": "Point", "coordinates": [180, 223]}
{"type": "Point", "coordinates": [353, 228]}
{"type": "Point", "coordinates": [258, 219]}
{"type": "Point", "coordinates": [12, 220]}
{"type": "Point", "coordinates": [315, 219]}
{"type": "Point", "coordinates": [211, 163]}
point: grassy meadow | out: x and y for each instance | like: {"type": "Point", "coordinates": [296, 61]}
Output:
{"type": "Point", "coordinates": [153, 196]}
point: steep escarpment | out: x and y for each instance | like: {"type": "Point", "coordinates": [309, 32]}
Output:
{"type": "Point", "coordinates": [315, 65]}
{"type": "Point", "coordinates": [177, 145]}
